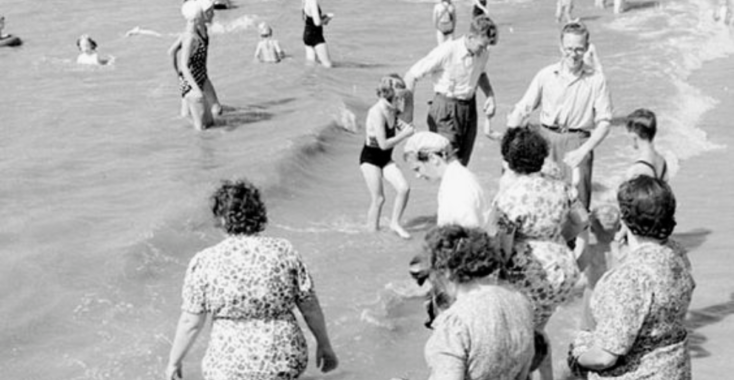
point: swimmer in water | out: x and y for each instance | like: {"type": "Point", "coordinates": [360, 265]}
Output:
{"type": "Point", "coordinates": [7, 39]}
{"type": "Point", "coordinates": [88, 48]}
{"type": "Point", "coordinates": [268, 49]}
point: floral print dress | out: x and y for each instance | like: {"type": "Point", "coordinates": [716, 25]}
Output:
{"type": "Point", "coordinates": [250, 286]}
{"type": "Point", "coordinates": [534, 208]}
{"type": "Point", "coordinates": [638, 309]}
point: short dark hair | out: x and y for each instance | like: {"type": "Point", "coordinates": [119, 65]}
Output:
{"type": "Point", "coordinates": [464, 253]}
{"type": "Point", "coordinates": [647, 206]}
{"type": "Point", "coordinates": [482, 25]}
{"type": "Point", "coordinates": [92, 42]}
{"type": "Point", "coordinates": [524, 150]}
{"type": "Point", "coordinates": [238, 205]}
{"type": "Point", "coordinates": [643, 123]}
{"type": "Point", "coordinates": [577, 28]}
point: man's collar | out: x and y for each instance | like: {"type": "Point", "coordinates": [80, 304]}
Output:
{"type": "Point", "coordinates": [585, 69]}
{"type": "Point", "coordinates": [465, 52]}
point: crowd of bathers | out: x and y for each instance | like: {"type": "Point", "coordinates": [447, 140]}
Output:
{"type": "Point", "coordinates": [493, 271]}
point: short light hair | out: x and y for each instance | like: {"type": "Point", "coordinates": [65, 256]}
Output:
{"type": "Point", "coordinates": [576, 27]}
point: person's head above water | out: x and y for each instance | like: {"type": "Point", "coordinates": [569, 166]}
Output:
{"type": "Point", "coordinates": [264, 30]}
{"type": "Point", "coordinates": [86, 44]}
{"type": "Point", "coordinates": [642, 123]}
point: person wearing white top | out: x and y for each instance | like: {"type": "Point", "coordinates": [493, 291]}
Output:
{"type": "Point", "coordinates": [457, 68]}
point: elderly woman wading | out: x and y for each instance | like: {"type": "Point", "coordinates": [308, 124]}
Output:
{"type": "Point", "coordinates": [250, 285]}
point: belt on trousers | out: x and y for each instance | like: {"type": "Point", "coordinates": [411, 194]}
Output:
{"type": "Point", "coordinates": [558, 129]}
{"type": "Point", "coordinates": [457, 100]}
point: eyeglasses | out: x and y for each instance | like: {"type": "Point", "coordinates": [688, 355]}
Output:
{"type": "Point", "coordinates": [575, 50]}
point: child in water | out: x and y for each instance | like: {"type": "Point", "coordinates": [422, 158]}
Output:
{"type": "Point", "coordinates": [88, 48]}
{"type": "Point", "coordinates": [563, 11]}
{"type": "Point", "coordinates": [268, 49]}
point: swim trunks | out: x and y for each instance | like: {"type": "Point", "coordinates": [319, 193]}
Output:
{"type": "Point", "coordinates": [197, 65]}
{"type": "Point", "coordinates": [375, 156]}
{"type": "Point", "coordinates": [313, 35]}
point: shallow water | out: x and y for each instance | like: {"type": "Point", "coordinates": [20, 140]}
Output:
{"type": "Point", "coordinates": [103, 197]}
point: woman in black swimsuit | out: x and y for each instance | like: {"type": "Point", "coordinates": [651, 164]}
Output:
{"type": "Point", "coordinates": [383, 132]}
{"type": "Point", "coordinates": [313, 34]}
{"type": "Point", "coordinates": [642, 126]}
{"type": "Point", "coordinates": [193, 75]}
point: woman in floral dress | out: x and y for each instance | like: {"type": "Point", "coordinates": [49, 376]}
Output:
{"type": "Point", "coordinates": [530, 213]}
{"type": "Point", "coordinates": [487, 330]}
{"type": "Point", "coordinates": [639, 307]}
{"type": "Point", "coordinates": [250, 285]}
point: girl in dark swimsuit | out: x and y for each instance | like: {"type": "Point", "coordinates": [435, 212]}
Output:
{"type": "Point", "coordinates": [313, 33]}
{"type": "Point", "coordinates": [193, 75]}
{"type": "Point", "coordinates": [642, 126]}
{"type": "Point", "coordinates": [383, 132]}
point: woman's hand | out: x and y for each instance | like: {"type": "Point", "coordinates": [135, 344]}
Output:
{"type": "Point", "coordinates": [174, 372]}
{"type": "Point", "coordinates": [326, 359]}
{"type": "Point", "coordinates": [407, 131]}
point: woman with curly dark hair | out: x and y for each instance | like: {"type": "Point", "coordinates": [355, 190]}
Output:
{"type": "Point", "coordinates": [529, 215]}
{"type": "Point", "coordinates": [638, 308]}
{"type": "Point", "coordinates": [486, 329]}
{"type": "Point", "coordinates": [249, 284]}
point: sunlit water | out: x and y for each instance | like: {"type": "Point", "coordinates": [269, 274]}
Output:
{"type": "Point", "coordinates": [104, 193]}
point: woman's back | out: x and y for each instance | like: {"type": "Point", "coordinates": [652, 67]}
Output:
{"type": "Point", "coordinates": [653, 165]}
{"type": "Point", "coordinates": [490, 329]}
{"type": "Point", "coordinates": [247, 277]}
{"type": "Point", "coordinates": [536, 205]}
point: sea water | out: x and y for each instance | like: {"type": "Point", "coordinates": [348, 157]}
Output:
{"type": "Point", "coordinates": [104, 190]}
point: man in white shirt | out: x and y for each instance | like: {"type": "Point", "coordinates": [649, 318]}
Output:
{"type": "Point", "coordinates": [457, 68]}
{"type": "Point", "coordinates": [460, 197]}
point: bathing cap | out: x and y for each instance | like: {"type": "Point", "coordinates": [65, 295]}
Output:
{"type": "Point", "coordinates": [191, 10]}
{"type": "Point", "coordinates": [206, 5]}
{"type": "Point", "coordinates": [427, 142]}
{"type": "Point", "coordinates": [264, 29]}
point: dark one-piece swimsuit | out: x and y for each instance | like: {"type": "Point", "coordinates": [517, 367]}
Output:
{"type": "Point", "coordinates": [373, 154]}
{"type": "Point", "coordinates": [197, 65]}
{"type": "Point", "coordinates": [312, 34]}
{"type": "Point", "coordinates": [655, 172]}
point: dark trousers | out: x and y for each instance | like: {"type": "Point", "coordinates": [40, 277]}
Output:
{"type": "Point", "coordinates": [560, 143]}
{"type": "Point", "coordinates": [456, 120]}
